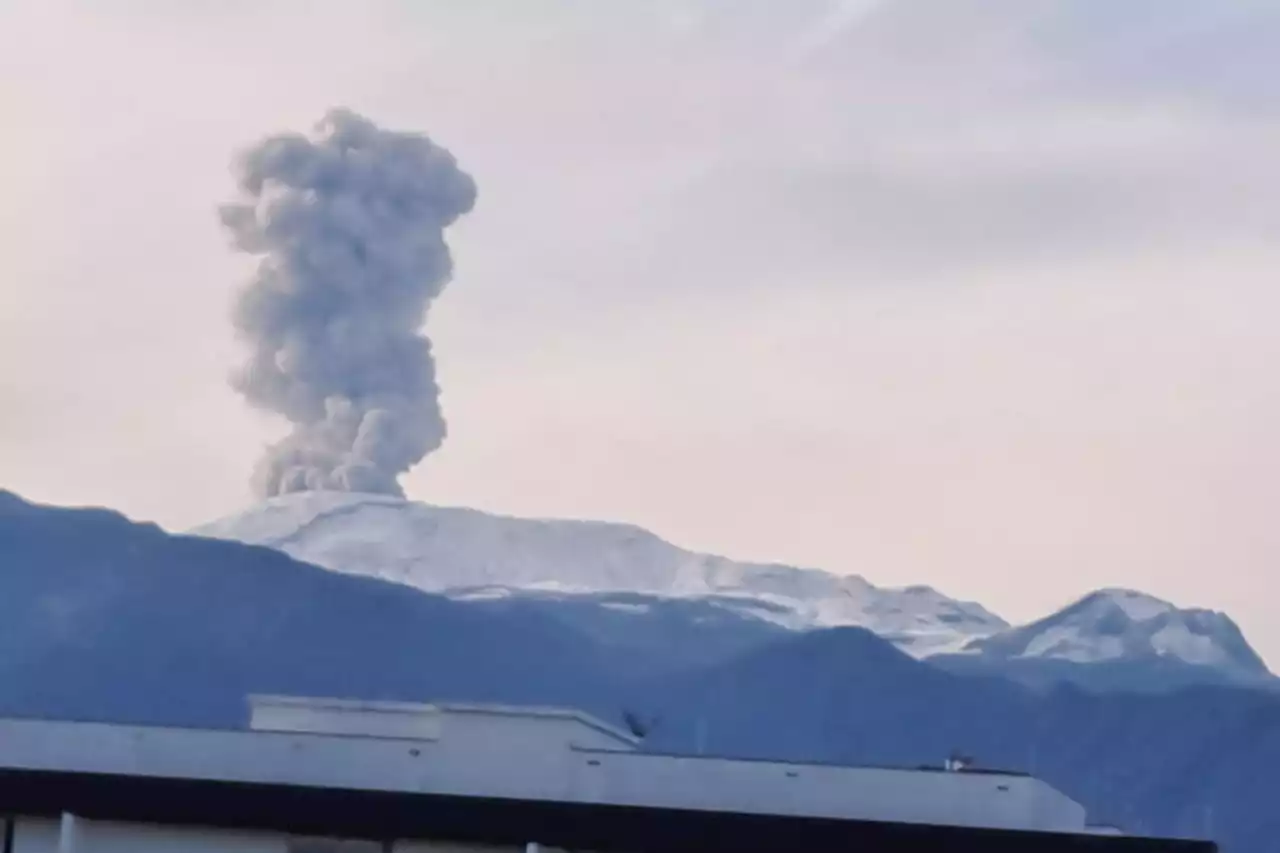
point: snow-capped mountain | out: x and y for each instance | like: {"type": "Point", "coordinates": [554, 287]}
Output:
{"type": "Point", "coordinates": [106, 619]}
{"type": "Point", "coordinates": [1123, 631]}
{"type": "Point", "coordinates": [1109, 639]}
{"type": "Point", "coordinates": [471, 554]}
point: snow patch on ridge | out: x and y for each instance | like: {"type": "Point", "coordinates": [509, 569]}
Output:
{"type": "Point", "coordinates": [445, 549]}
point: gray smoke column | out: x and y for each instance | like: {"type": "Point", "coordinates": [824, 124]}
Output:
{"type": "Point", "coordinates": [349, 223]}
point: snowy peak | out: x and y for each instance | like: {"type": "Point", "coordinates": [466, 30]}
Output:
{"type": "Point", "coordinates": [443, 548]}
{"type": "Point", "coordinates": [1123, 626]}
{"type": "Point", "coordinates": [468, 554]}
{"type": "Point", "coordinates": [1134, 605]}
{"type": "Point", "coordinates": [459, 551]}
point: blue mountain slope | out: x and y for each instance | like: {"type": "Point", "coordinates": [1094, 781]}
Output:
{"type": "Point", "coordinates": [102, 618]}
{"type": "Point", "coordinates": [646, 635]}
{"type": "Point", "coordinates": [841, 694]}
{"type": "Point", "coordinates": [1122, 676]}
{"type": "Point", "coordinates": [115, 620]}
{"type": "Point", "coordinates": [1202, 761]}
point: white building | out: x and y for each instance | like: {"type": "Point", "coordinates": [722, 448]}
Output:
{"type": "Point", "coordinates": [404, 777]}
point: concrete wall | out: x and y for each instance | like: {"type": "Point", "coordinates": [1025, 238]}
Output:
{"type": "Point", "coordinates": [491, 749]}
{"type": "Point", "coordinates": [42, 836]}
{"type": "Point", "coordinates": [471, 729]}
{"type": "Point", "coordinates": [33, 835]}
{"type": "Point", "coordinates": [382, 719]}
{"type": "Point", "coordinates": [471, 726]}
{"type": "Point", "coordinates": [513, 756]}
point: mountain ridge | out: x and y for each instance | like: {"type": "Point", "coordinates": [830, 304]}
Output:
{"type": "Point", "coordinates": [446, 548]}
{"type": "Point", "coordinates": [110, 620]}
{"type": "Point", "coordinates": [467, 553]}
{"type": "Point", "coordinates": [1117, 638]}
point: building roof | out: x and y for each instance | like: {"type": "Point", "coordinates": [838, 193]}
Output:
{"type": "Point", "coordinates": [589, 720]}
{"type": "Point", "coordinates": [897, 768]}
{"type": "Point", "coordinates": [397, 707]}
{"type": "Point", "coordinates": [457, 782]}
{"type": "Point", "coordinates": [384, 815]}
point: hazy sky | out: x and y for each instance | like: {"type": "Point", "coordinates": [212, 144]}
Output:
{"type": "Point", "coordinates": [975, 293]}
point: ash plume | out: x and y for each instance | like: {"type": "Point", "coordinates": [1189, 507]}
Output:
{"type": "Point", "coordinates": [349, 223]}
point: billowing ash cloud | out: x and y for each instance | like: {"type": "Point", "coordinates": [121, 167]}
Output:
{"type": "Point", "coordinates": [349, 224]}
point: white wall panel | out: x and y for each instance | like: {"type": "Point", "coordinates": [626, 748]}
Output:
{"type": "Point", "coordinates": [41, 836]}
{"type": "Point", "coordinates": [31, 835]}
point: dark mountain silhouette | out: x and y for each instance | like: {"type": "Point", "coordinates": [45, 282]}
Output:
{"type": "Point", "coordinates": [105, 619]}
{"type": "Point", "coordinates": [109, 619]}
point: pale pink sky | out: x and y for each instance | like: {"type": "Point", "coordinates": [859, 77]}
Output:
{"type": "Point", "coordinates": [978, 294]}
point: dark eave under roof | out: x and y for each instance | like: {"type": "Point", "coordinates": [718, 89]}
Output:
{"type": "Point", "coordinates": [575, 826]}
